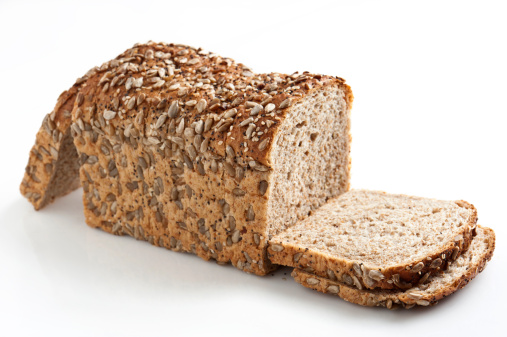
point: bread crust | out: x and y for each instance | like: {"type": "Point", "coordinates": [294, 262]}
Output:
{"type": "Point", "coordinates": [187, 177]}
{"type": "Point", "coordinates": [396, 298]}
{"type": "Point", "coordinates": [401, 276]}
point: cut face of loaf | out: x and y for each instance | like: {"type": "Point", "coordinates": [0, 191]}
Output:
{"type": "Point", "coordinates": [376, 240]}
{"type": "Point", "coordinates": [194, 152]}
{"type": "Point", "coordinates": [436, 287]}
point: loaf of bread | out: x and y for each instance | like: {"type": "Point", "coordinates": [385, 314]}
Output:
{"type": "Point", "coordinates": [194, 152]}
{"type": "Point", "coordinates": [428, 292]}
{"type": "Point", "coordinates": [377, 240]}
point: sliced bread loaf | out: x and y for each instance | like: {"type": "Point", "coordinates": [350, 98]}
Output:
{"type": "Point", "coordinates": [194, 152]}
{"type": "Point", "coordinates": [377, 240]}
{"type": "Point", "coordinates": [436, 287]}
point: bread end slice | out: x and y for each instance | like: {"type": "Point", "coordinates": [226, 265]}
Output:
{"type": "Point", "coordinates": [53, 167]}
{"type": "Point", "coordinates": [436, 287]}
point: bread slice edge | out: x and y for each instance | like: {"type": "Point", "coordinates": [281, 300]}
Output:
{"type": "Point", "coordinates": [451, 280]}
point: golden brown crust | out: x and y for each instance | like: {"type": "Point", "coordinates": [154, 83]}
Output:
{"type": "Point", "coordinates": [401, 276]}
{"type": "Point", "coordinates": [394, 298]}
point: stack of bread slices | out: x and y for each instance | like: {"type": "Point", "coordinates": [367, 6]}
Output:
{"type": "Point", "coordinates": [194, 152]}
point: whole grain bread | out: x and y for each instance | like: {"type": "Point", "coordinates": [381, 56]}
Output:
{"type": "Point", "coordinates": [53, 166]}
{"type": "Point", "coordinates": [429, 292]}
{"type": "Point", "coordinates": [374, 240]}
{"type": "Point", "coordinates": [194, 152]}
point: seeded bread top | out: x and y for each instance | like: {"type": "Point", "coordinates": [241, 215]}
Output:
{"type": "Point", "coordinates": [169, 93]}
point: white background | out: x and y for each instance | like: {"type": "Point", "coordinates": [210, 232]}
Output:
{"type": "Point", "coordinates": [429, 119]}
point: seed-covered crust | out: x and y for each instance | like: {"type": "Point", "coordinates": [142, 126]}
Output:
{"type": "Point", "coordinates": [52, 168]}
{"type": "Point", "coordinates": [175, 148]}
{"type": "Point", "coordinates": [289, 248]}
{"type": "Point", "coordinates": [435, 288]}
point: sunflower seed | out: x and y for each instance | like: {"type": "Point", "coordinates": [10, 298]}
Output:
{"type": "Point", "coordinates": [213, 165]}
{"type": "Point", "coordinates": [116, 227]}
{"type": "Point", "coordinates": [238, 192]}
{"type": "Point", "coordinates": [256, 109]}
{"type": "Point", "coordinates": [172, 242]}
{"type": "Point", "coordinates": [263, 187]}
{"type": "Point", "coordinates": [230, 113]}
{"type": "Point", "coordinates": [247, 257]}
{"type": "Point", "coordinates": [140, 98]}
{"type": "Point", "coordinates": [131, 103]}
{"type": "Point", "coordinates": [138, 82]}
{"type": "Point", "coordinates": [218, 246]}
{"type": "Point", "coordinates": [297, 256]}
{"type": "Point", "coordinates": [269, 107]}
{"type": "Point", "coordinates": [246, 121]}
{"type": "Point", "coordinates": [109, 114]}
{"type": "Point", "coordinates": [415, 295]}
{"type": "Point", "coordinates": [230, 151]}
{"type": "Point", "coordinates": [400, 283]}
{"type": "Point", "coordinates": [250, 214]}
{"type": "Point", "coordinates": [153, 140]}
{"type": "Point", "coordinates": [160, 121]}
{"type": "Point", "coordinates": [200, 168]}
{"type": "Point", "coordinates": [191, 152]}
{"type": "Point", "coordinates": [207, 124]}
{"type": "Point", "coordinates": [162, 104]}
{"type": "Point", "coordinates": [79, 99]}
{"type": "Point", "coordinates": [174, 86]}
{"type": "Point", "coordinates": [347, 279]}
{"type": "Point", "coordinates": [173, 109]}
{"type": "Point", "coordinates": [436, 263]}
{"type": "Point", "coordinates": [199, 127]}
{"type": "Point", "coordinates": [240, 173]}
{"type": "Point", "coordinates": [418, 267]}
{"type": "Point", "coordinates": [277, 248]}
{"type": "Point", "coordinates": [263, 144]}
{"type": "Point", "coordinates": [230, 169]}
{"type": "Point", "coordinates": [224, 126]}
{"type": "Point", "coordinates": [333, 289]}
{"type": "Point", "coordinates": [376, 275]}
{"type": "Point", "coordinates": [232, 223]}
{"type": "Point", "coordinates": [226, 208]}
{"type": "Point", "coordinates": [204, 147]}
{"type": "Point", "coordinates": [357, 283]}
{"type": "Point", "coordinates": [455, 252]}
{"type": "Point", "coordinates": [201, 105]}
{"type": "Point", "coordinates": [312, 281]}
{"type": "Point", "coordinates": [285, 104]}
{"type": "Point", "coordinates": [236, 236]}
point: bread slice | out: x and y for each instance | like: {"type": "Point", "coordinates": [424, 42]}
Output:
{"type": "Point", "coordinates": [194, 152]}
{"type": "Point", "coordinates": [53, 167]}
{"type": "Point", "coordinates": [377, 240]}
{"type": "Point", "coordinates": [436, 287]}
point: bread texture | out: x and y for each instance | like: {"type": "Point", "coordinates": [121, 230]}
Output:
{"type": "Point", "coordinates": [375, 240]}
{"type": "Point", "coordinates": [429, 292]}
{"type": "Point", "coordinates": [194, 152]}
